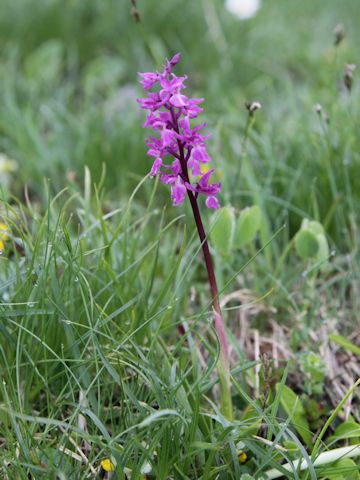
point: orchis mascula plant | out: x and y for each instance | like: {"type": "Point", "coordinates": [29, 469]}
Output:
{"type": "Point", "coordinates": [170, 114]}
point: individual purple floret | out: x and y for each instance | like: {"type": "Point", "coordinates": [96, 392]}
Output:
{"type": "Point", "coordinates": [170, 112]}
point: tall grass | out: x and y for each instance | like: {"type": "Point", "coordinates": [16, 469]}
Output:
{"type": "Point", "coordinates": [106, 346]}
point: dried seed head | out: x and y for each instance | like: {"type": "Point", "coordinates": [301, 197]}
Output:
{"type": "Point", "coordinates": [252, 107]}
{"type": "Point", "coordinates": [318, 108]}
{"type": "Point", "coordinates": [339, 34]}
{"type": "Point", "coordinates": [348, 76]}
{"type": "Point", "coordinates": [134, 11]}
{"type": "Point", "coordinates": [321, 112]}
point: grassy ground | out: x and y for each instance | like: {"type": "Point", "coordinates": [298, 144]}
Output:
{"type": "Point", "coordinates": [99, 274]}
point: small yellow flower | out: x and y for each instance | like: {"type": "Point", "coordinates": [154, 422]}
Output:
{"type": "Point", "coordinates": [242, 456]}
{"type": "Point", "coordinates": [107, 465]}
{"type": "Point", "coordinates": [204, 167]}
{"type": "Point", "coordinates": [4, 235]}
{"type": "Point", "coordinates": [7, 165]}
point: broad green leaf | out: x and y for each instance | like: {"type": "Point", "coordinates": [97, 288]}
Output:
{"type": "Point", "coordinates": [45, 62]}
{"type": "Point", "coordinates": [222, 228]}
{"type": "Point", "coordinates": [313, 226]}
{"type": "Point", "coordinates": [344, 469]}
{"type": "Point", "coordinates": [306, 243]}
{"type": "Point", "coordinates": [345, 431]}
{"type": "Point", "coordinates": [291, 446]}
{"type": "Point", "coordinates": [102, 74]}
{"type": "Point", "coordinates": [251, 422]}
{"type": "Point", "coordinates": [323, 251]}
{"type": "Point", "coordinates": [247, 225]}
{"type": "Point", "coordinates": [310, 241]}
{"type": "Point", "coordinates": [345, 343]}
{"type": "Point", "coordinates": [294, 408]}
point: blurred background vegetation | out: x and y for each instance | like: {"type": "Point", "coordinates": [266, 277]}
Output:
{"type": "Point", "coordinates": [113, 275]}
{"type": "Point", "coordinates": [68, 83]}
{"type": "Point", "coordinates": [68, 88]}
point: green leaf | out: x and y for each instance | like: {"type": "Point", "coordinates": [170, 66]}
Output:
{"type": "Point", "coordinates": [222, 229]}
{"type": "Point", "coordinates": [102, 74]}
{"type": "Point", "coordinates": [294, 408]}
{"type": "Point", "coordinates": [44, 64]}
{"type": "Point", "coordinates": [345, 431]}
{"type": "Point", "coordinates": [344, 469]}
{"type": "Point", "coordinates": [306, 243]}
{"type": "Point", "coordinates": [251, 422]}
{"type": "Point", "coordinates": [311, 242]}
{"type": "Point", "coordinates": [314, 366]}
{"type": "Point", "coordinates": [247, 225]}
{"type": "Point", "coordinates": [323, 251]}
{"type": "Point", "coordinates": [291, 447]}
{"type": "Point", "coordinates": [313, 226]}
{"type": "Point", "coordinates": [345, 343]}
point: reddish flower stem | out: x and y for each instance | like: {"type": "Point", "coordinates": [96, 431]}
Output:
{"type": "Point", "coordinates": [223, 364]}
{"type": "Point", "coordinates": [206, 252]}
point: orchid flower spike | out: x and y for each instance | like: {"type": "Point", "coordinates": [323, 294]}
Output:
{"type": "Point", "coordinates": [179, 149]}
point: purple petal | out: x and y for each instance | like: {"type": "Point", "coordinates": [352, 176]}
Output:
{"type": "Point", "coordinates": [204, 180]}
{"type": "Point", "coordinates": [212, 202]}
{"type": "Point", "coordinates": [154, 121]}
{"type": "Point", "coordinates": [168, 178]}
{"type": "Point", "coordinates": [190, 187]}
{"type": "Point", "coordinates": [175, 59]}
{"type": "Point", "coordinates": [148, 79]}
{"type": "Point", "coordinates": [155, 169]}
{"type": "Point", "coordinates": [167, 137]}
{"type": "Point", "coordinates": [212, 189]}
{"type": "Point", "coordinates": [194, 166]}
{"type": "Point", "coordinates": [185, 124]}
{"type": "Point", "coordinates": [175, 167]}
{"type": "Point", "coordinates": [192, 108]}
{"type": "Point", "coordinates": [178, 100]}
{"type": "Point", "coordinates": [200, 154]}
{"type": "Point", "coordinates": [178, 193]}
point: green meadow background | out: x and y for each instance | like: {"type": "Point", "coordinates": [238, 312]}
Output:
{"type": "Point", "coordinates": [100, 275]}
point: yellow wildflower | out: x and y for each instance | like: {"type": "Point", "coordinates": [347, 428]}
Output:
{"type": "Point", "coordinates": [4, 235]}
{"type": "Point", "coordinates": [7, 165]}
{"type": "Point", "coordinates": [107, 465]}
{"type": "Point", "coordinates": [242, 456]}
{"type": "Point", "coordinates": [204, 167]}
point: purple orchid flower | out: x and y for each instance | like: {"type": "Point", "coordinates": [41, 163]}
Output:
{"type": "Point", "coordinates": [170, 112]}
